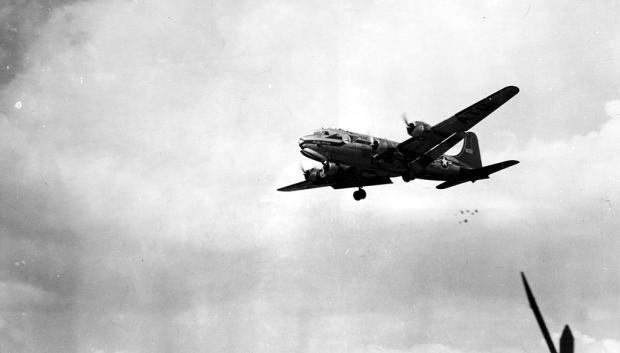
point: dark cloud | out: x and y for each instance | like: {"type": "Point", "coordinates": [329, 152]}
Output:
{"type": "Point", "coordinates": [21, 21]}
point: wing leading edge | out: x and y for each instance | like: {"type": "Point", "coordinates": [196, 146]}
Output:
{"type": "Point", "coordinates": [352, 182]}
{"type": "Point", "coordinates": [428, 145]}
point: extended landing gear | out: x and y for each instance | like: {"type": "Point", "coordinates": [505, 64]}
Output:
{"type": "Point", "coordinates": [406, 178]}
{"type": "Point", "coordinates": [359, 194]}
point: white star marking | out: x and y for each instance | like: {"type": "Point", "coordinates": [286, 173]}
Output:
{"type": "Point", "coordinates": [445, 162]}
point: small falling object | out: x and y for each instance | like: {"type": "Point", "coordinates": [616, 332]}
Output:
{"type": "Point", "coordinates": [465, 220]}
{"type": "Point", "coordinates": [18, 105]}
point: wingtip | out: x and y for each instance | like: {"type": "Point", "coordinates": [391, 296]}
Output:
{"type": "Point", "coordinates": [514, 89]}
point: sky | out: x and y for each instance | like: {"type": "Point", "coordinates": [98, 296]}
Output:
{"type": "Point", "coordinates": [142, 143]}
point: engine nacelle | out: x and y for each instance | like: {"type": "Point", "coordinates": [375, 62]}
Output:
{"type": "Point", "coordinates": [417, 128]}
{"type": "Point", "coordinates": [329, 169]}
{"type": "Point", "coordinates": [379, 145]}
{"type": "Point", "coordinates": [313, 174]}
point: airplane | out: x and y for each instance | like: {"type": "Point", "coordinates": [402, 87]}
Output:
{"type": "Point", "coordinates": [353, 160]}
{"type": "Point", "coordinates": [567, 341]}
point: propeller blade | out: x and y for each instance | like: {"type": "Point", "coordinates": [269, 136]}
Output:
{"type": "Point", "coordinates": [404, 117]}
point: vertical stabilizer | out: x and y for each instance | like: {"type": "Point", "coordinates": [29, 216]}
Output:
{"type": "Point", "coordinates": [470, 153]}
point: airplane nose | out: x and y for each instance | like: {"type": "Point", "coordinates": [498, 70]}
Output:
{"type": "Point", "coordinates": [304, 141]}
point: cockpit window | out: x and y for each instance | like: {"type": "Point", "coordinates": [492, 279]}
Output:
{"type": "Point", "coordinates": [362, 140]}
{"type": "Point", "coordinates": [321, 132]}
{"type": "Point", "coordinates": [335, 136]}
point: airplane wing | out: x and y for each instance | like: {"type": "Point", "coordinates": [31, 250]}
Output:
{"type": "Point", "coordinates": [443, 136]}
{"type": "Point", "coordinates": [302, 185]}
{"type": "Point", "coordinates": [339, 183]}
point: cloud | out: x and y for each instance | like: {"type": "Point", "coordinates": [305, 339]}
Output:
{"type": "Point", "coordinates": [612, 108]}
{"type": "Point", "coordinates": [139, 175]}
{"type": "Point", "coordinates": [22, 21]}
{"type": "Point", "coordinates": [588, 344]}
{"type": "Point", "coordinates": [430, 348]}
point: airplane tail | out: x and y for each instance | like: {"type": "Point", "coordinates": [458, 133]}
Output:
{"type": "Point", "coordinates": [477, 174]}
{"type": "Point", "coordinates": [470, 158]}
{"type": "Point", "coordinates": [470, 153]}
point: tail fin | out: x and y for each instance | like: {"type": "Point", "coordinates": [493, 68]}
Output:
{"type": "Point", "coordinates": [470, 153]}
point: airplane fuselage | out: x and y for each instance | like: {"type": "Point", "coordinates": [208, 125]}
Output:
{"type": "Point", "coordinates": [368, 155]}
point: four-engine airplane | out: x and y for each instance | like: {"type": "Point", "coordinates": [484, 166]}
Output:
{"type": "Point", "coordinates": [352, 160]}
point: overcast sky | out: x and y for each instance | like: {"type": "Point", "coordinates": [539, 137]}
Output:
{"type": "Point", "coordinates": [141, 144]}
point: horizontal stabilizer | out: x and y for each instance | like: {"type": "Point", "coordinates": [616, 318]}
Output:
{"type": "Point", "coordinates": [484, 172]}
{"type": "Point", "coordinates": [477, 174]}
{"type": "Point", "coordinates": [449, 184]}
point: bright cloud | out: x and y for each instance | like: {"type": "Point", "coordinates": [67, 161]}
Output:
{"type": "Point", "coordinates": [138, 203]}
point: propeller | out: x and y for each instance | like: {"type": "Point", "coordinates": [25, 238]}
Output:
{"type": "Point", "coordinates": [404, 117]}
{"type": "Point", "coordinates": [416, 126]}
{"type": "Point", "coordinates": [410, 126]}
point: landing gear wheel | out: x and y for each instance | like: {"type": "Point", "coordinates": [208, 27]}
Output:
{"type": "Point", "coordinates": [406, 178]}
{"type": "Point", "coordinates": [359, 194]}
